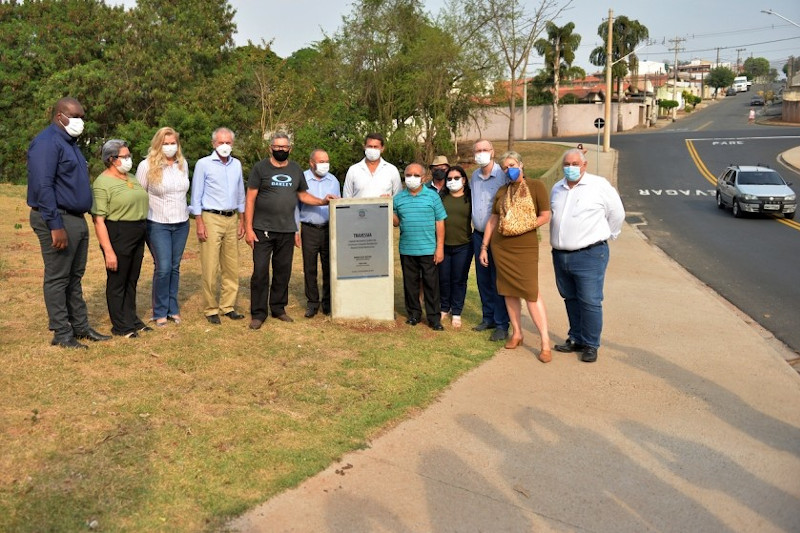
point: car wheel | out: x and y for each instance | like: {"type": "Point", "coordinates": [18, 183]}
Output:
{"type": "Point", "coordinates": [737, 211]}
{"type": "Point", "coordinates": [719, 201]}
{"type": "Point", "coordinates": [790, 216]}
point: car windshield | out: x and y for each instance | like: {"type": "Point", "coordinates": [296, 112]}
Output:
{"type": "Point", "coordinates": [760, 178]}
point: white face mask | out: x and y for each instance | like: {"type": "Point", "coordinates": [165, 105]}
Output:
{"type": "Point", "coordinates": [322, 169]}
{"type": "Point", "coordinates": [483, 158]}
{"type": "Point", "coordinates": [224, 150]}
{"type": "Point", "coordinates": [169, 149]}
{"type": "Point", "coordinates": [125, 164]}
{"type": "Point", "coordinates": [455, 185]}
{"type": "Point", "coordinates": [413, 182]}
{"type": "Point", "coordinates": [372, 154]}
{"type": "Point", "coordinates": [74, 126]}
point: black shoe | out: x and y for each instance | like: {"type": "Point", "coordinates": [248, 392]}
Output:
{"type": "Point", "coordinates": [285, 318]}
{"type": "Point", "coordinates": [411, 321]}
{"type": "Point", "coordinates": [589, 354]}
{"type": "Point", "coordinates": [499, 334]}
{"type": "Point", "coordinates": [326, 310]}
{"type": "Point", "coordinates": [68, 342]}
{"type": "Point", "coordinates": [233, 315]}
{"type": "Point", "coordinates": [129, 335]}
{"type": "Point", "coordinates": [483, 326]}
{"type": "Point", "coordinates": [437, 327]}
{"type": "Point", "coordinates": [569, 346]}
{"type": "Point", "coordinates": [214, 319]}
{"type": "Point", "coordinates": [144, 329]}
{"type": "Point", "coordinates": [92, 335]}
{"type": "Point", "coordinates": [310, 312]}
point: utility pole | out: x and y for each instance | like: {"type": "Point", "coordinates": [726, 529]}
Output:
{"type": "Point", "coordinates": [609, 66]}
{"type": "Point", "coordinates": [717, 65]}
{"type": "Point", "coordinates": [677, 41]}
{"type": "Point", "coordinates": [738, 52]}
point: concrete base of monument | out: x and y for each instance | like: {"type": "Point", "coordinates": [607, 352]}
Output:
{"type": "Point", "coordinates": [362, 258]}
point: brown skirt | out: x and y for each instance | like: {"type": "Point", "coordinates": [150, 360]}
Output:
{"type": "Point", "coordinates": [517, 263]}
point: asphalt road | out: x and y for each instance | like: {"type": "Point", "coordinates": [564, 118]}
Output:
{"type": "Point", "coordinates": [666, 180]}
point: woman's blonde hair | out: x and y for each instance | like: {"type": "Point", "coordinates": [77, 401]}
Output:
{"type": "Point", "coordinates": [511, 154]}
{"type": "Point", "coordinates": [156, 157]}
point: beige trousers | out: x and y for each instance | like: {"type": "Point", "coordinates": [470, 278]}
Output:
{"type": "Point", "coordinates": [220, 255]}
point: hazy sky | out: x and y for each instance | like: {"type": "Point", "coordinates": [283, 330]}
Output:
{"type": "Point", "coordinates": [705, 24]}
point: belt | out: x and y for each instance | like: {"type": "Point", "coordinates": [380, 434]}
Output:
{"type": "Point", "coordinates": [223, 213]}
{"type": "Point", "coordinates": [598, 243]}
{"type": "Point", "coordinates": [64, 212]}
{"type": "Point", "coordinates": [318, 226]}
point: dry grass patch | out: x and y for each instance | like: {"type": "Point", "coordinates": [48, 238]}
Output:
{"type": "Point", "coordinates": [192, 424]}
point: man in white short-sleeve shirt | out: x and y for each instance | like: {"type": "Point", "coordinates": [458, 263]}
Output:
{"type": "Point", "coordinates": [373, 176]}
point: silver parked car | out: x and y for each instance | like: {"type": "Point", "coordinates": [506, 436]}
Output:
{"type": "Point", "coordinates": [755, 189]}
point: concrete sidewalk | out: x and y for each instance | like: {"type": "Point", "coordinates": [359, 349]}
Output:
{"type": "Point", "coordinates": [688, 421]}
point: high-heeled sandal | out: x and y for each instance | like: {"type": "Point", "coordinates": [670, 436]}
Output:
{"type": "Point", "coordinates": [545, 356]}
{"type": "Point", "coordinates": [513, 343]}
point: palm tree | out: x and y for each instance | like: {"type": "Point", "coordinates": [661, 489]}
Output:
{"type": "Point", "coordinates": [626, 35]}
{"type": "Point", "coordinates": [558, 51]}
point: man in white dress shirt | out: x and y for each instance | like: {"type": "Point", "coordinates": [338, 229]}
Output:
{"type": "Point", "coordinates": [373, 176]}
{"type": "Point", "coordinates": [586, 213]}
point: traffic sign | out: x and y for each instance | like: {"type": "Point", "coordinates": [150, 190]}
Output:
{"type": "Point", "coordinates": [599, 123]}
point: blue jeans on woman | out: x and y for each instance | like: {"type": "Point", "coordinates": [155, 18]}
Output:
{"type": "Point", "coordinates": [453, 275]}
{"type": "Point", "coordinates": [166, 243]}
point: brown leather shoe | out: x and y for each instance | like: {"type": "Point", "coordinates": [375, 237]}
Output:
{"type": "Point", "coordinates": [285, 318]}
{"type": "Point", "coordinates": [255, 323]}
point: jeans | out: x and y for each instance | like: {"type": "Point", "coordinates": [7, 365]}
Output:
{"type": "Point", "coordinates": [166, 243]}
{"type": "Point", "coordinates": [453, 275]}
{"type": "Point", "coordinates": [579, 277]}
{"type": "Point", "coordinates": [493, 305]}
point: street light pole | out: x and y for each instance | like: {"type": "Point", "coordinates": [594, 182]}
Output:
{"type": "Point", "coordinates": [771, 12]}
{"type": "Point", "coordinates": [609, 66]}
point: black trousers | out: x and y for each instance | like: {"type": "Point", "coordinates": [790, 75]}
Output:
{"type": "Point", "coordinates": [127, 240]}
{"type": "Point", "coordinates": [316, 244]}
{"type": "Point", "coordinates": [278, 249]}
{"type": "Point", "coordinates": [63, 272]}
{"type": "Point", "coordinates": [414, 267]}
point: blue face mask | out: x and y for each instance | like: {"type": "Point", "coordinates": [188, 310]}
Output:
{"type": "Point", "coordinates": [512, 173]}
{"type": "Point", "coordinates": [572, 173]}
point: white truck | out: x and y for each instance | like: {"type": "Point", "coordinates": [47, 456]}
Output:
{"type": "Point", "coordinates": [740, 84]}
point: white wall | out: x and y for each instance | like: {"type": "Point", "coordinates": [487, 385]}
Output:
{"type": "Point", "coordinates": [573, 119]}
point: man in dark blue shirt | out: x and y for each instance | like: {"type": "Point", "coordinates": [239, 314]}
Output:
{"type": "Point", "coordinates": [59, 194]}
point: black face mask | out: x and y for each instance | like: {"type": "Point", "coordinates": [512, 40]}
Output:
{"type": "Point", "coordinates": [439, 174]}
{"type": "Point", "coordinates": [280, 155]}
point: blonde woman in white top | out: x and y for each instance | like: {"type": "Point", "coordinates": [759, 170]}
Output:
{"type": "Point", "coordinates": [164, 174]}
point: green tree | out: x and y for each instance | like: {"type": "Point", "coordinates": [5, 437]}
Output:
{"type": "Point", "coordinates": [626, 35]}
{"type": "Point", "coordinates": [791, 67]}
{"type": "Point", "coordinates": [720, 77]}
{"type": "Point", "coordinates": [756, 67]}
{"type": "Point", "coordinates": [558, 50]}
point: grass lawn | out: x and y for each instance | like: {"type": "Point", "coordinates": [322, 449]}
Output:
{"type": "Point", "coordinates": [191, 424]}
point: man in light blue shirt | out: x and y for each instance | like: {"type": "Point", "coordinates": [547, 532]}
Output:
{"type": "Point", "coordinates": [419, 213]}
{"type": "Point", "coordinates": [217, 205]}
{"type": "Point", "coordinates": [315, 233]}
{"type": "Point", "coordinates": [485, 182]}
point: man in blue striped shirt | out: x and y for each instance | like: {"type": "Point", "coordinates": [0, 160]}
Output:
{"type": "Point", "coordinates": [420, 214]}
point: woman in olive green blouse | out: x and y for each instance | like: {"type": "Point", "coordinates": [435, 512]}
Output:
{"type": "Point", "coordinates": [119, 211]}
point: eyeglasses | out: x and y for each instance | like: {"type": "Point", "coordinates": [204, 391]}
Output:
{"type": "Point", "coordinates": [453, 178]}
{"type": "Point", "coordinates": [283, 148]}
